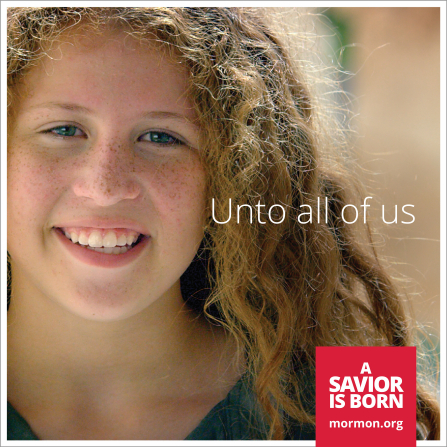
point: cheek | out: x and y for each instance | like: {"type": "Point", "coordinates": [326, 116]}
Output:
{"type": "Point", "coordinates": [180, 186]}
{"type": "Point", "coordinates": [33, 183]}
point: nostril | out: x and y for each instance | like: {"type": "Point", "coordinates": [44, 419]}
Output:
{"type": "Point", "coordinates": [107, 189]}
{"type": "Point", "coordinates": [106, 172]}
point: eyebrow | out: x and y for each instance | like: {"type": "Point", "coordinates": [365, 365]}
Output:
{"type": "Point", "coordinates": [64, 106]}
{"type": "Point", "coordinates": [169, 115]}
{"type": "Point", "coordinates": [81, 109]}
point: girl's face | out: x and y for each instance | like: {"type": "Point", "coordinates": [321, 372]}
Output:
{"type": "Point", "coordinates": [104, 153]}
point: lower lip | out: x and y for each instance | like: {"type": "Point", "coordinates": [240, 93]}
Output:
{"type": "Point", "coordinates": [94, 258]}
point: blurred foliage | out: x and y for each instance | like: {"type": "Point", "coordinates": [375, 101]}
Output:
{"type": "Point", "coordinates": [342, 41]}
{"type": "Point", "coordinates": [428, 358]}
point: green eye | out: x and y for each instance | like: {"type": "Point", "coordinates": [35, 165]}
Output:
{"type": "Point", "coordinates": [66, 131]}
{"type": "Point", "coordinates": [161, 138]}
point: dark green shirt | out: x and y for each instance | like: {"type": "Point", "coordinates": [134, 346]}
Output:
{"type": "Point", "coordinates": [237, 417]}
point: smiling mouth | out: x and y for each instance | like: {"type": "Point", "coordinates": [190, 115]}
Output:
{"type": "Point", "coordinates": [109, 241]}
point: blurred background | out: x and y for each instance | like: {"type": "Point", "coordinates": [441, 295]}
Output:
{"type": "Point", "coordinates": [388, 62]}
{"type": "Point", "coordinates": [395, 55]}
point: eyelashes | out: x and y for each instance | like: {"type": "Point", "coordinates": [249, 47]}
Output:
{"type": "Point", "coordinates": [160, 138]}
{"type": "Point", "coordinates": [66, 131]}
{"type": "Point", "coordinates": [157, 137]}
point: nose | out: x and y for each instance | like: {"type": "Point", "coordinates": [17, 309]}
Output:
{"type": "Point", "coordinates": [107, 174]}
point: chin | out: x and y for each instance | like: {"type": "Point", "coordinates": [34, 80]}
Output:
{"type": "Point", "coordinates": [103, 305]}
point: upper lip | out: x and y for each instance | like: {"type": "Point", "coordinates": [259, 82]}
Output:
{"type": "Point", "coordinates": [99, 223]}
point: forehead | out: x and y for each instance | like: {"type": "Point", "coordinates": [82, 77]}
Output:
{"type": "Point", "coordinates": [89, 66]}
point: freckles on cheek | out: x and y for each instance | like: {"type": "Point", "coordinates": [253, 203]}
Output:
{"type": "Point", "coordinates": [29, 178]}
{"type": "Point", "coordinates": [180, 185]}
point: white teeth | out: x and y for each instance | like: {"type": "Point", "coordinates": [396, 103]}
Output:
{"type": "Point", "coordinates": [83, 239]}
{"type": "Point", "coordinates": [109, 240]}
{"type": "Point", "coordinates": [122, 240]}
{"type": "Point", "coordinates": [95, 239]}
{"type": "Point", "coordinates": [110, 243]}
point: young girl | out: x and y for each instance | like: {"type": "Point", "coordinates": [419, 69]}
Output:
{"type": "Point", "coordinates": [134, 313]}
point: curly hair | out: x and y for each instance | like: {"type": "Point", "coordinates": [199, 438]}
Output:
{"type": "Point", "coordinates": [280, 289]}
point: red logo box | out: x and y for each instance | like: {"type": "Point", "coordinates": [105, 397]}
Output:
{"type": "Point", "coordinates": [366, 396]}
